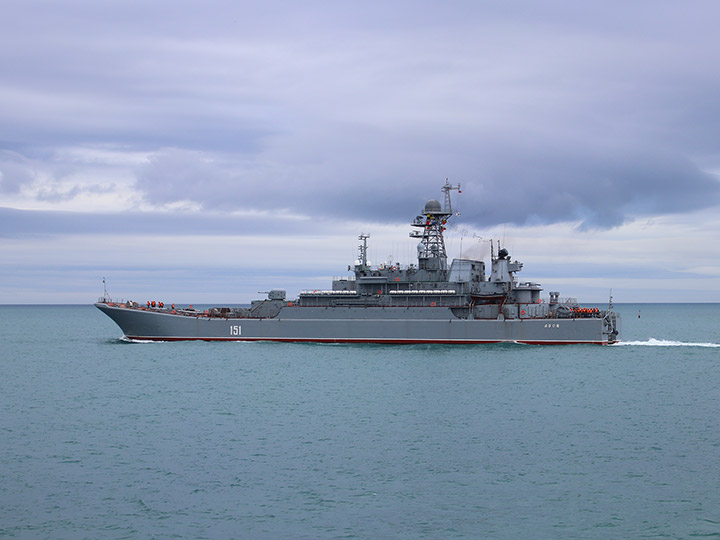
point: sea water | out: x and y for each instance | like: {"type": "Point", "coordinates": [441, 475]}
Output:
{"type": "Point", "coordinates": [104, 439]}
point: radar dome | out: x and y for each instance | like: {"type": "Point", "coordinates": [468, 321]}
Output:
{"type": "Point", "coordinates": [432, 206]}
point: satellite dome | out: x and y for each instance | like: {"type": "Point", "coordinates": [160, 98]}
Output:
{"type": "Point", "coordinates": [432, 206]}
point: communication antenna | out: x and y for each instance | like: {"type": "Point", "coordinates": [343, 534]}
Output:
{"type": "Point", "coordinates": [106, 297]}
{"type": "Point", "coordinates": [447, 188]}
{"type": "Point", "coordinates": [363, 250]}
{"type": "Point", "coordinates": [463, 233]}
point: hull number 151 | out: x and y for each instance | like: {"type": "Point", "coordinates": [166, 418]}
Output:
{"type": "Point", "coordinates": [236, 330]}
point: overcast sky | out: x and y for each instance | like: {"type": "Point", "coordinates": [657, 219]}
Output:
{"type": "Point", "coordinates": [204, 151]}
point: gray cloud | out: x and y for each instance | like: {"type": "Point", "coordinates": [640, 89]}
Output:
{"type": "Point", "coordinates": [599, 186]}
{"type": "Point", "coordinates": [174, 175]}
{"type": "Point", "coordinates": [546, 113]}
{"type": "Point", "coordinates": [16, 171]}
{"type": "Point", "coordinates": [504, 182]}
{"type": "Point", "coordinates": [54, 194]}
{"type": "Point", "coordinates": [33, 223]}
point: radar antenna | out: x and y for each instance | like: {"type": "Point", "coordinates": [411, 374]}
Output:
{"type": "Point", "coordinates": [431, 250]}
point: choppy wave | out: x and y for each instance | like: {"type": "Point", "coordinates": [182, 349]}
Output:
{"type": "Point", "coordinates": [652, 342]}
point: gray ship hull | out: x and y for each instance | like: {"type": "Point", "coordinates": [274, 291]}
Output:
{"type": "Point", "coordinates": [390, 325]}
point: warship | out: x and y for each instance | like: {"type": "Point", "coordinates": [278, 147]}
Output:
{"type": "Point", "coordinates": [426, 302]}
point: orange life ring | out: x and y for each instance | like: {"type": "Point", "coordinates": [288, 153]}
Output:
{"type": "Point", "coordinates": [397, 279]}
{"type": "Point", "coordinates": [522, 312]}
{"type": "Point", "coordinates": [289, 304]}
{"type": "Point", "coordinates": [432, 304]}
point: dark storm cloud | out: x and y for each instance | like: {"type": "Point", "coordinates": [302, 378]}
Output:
{"type": "Point", "coordinates": [600, 187]}
{"type": "Point", "coordinates": [546, 112]}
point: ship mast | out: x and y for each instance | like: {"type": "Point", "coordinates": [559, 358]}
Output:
{"type": "Point", "coordinates": [431, 249]}
{"type": "Point", "coordinates": [363, 251]}
{"type": "Point", "coordinates": [447, 188]}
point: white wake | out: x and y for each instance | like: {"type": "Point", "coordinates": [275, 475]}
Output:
{"type": "Point", "coordinates": [128, 340]}
{"type": "Point", "coordinates": [652, 342]}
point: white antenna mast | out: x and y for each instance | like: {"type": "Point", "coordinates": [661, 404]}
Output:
{"type": "Point", "coordinates": [447, 188]}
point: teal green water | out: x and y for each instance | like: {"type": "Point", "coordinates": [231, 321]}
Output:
{"type": "Point", "coordinates": [100, 438]}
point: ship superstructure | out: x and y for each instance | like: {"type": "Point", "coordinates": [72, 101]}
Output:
{"type": "Point", "coordinates": [427, 302]}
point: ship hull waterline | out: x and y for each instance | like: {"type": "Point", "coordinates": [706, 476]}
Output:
{"type": "Point", "coordinates": [356, 325]}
